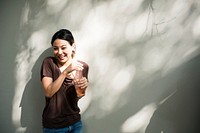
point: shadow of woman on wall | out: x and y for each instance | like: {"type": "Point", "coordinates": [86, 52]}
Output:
{"type": "Point", "coordinates": [33, 99]}
{"type": "Point", "coordinates": [180, 112]}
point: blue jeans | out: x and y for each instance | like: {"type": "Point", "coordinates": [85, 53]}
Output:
{"type": "Point", "coordinates": [75, 128]}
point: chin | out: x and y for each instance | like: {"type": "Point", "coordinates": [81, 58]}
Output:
{"type": "Point", "coordinates": [63, 61]}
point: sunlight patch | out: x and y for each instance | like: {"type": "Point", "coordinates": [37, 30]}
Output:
{"type": "Point", "coordinates": [139, 121]}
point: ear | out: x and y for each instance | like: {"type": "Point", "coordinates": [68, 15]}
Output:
{"type": "Point", "coordinates": [74, 47]}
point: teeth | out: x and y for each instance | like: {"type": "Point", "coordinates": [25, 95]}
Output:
{"type": "Point", "coordinates": [61, 57]}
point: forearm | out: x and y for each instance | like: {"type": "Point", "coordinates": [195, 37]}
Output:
{"type": "Point", "coordinates": [52, 88]}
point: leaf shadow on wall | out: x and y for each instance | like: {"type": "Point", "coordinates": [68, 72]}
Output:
{"type": "Point", "coordinates": [33, 99]}
{"type": "Point", "coordinates": [180, 112]}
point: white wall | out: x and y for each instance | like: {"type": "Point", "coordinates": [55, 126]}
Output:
{"type": "Point", "coordinates": [143, 57]}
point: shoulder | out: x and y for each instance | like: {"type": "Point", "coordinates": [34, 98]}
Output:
{"type": "Point", "coordinates": [49, 62]}
{"type": "Point", "coordinates": [85, 68]}
{"type": "Point", "coordinates": [49, 59]}
{"type": "Point", "coordinates": [85, 65]}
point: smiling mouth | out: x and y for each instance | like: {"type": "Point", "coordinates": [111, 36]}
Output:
{"type": "Point", "coordinates": [61, 57]}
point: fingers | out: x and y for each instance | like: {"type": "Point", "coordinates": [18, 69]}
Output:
{"type": "Point", "coordinates": [74, 66]}
{"type": "Point", "coordinates": [82, 83]}
{"type": "Point", "coordinates": [77, 66]}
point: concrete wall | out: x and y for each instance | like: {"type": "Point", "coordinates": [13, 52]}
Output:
{"type": "Point", "coordinates": [143, 56]}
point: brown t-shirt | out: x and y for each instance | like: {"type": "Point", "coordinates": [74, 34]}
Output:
{"type": "Point", "coordinates": [61, 109]}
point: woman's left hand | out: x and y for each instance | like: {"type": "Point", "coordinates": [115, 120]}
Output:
{"type": "Point", "coordinates": [80, 86]}
{"type": "Point", "coordinates": [82, 83]}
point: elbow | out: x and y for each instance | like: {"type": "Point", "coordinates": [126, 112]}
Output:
{"type": "Point", "coordinates": [48, 94]}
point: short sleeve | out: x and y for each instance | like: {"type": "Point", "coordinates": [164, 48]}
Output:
{"type": "Point", "coordinates": [85, 70]}
{"type": "Point", "coordinates": [46, 68]}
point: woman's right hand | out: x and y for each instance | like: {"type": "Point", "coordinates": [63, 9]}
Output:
{"type": "Point", "coordinates": [75, 65]}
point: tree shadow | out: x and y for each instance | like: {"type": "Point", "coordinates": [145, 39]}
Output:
{"type": "Point", "coordinates": [33, 99]}
{"type": "Point", "coordinates": [180, 112]}
{"type": "Point", "coordinates": [176, 96]}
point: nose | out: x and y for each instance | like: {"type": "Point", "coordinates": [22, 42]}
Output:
{"type": "Point", "coordinates": [59, 51]}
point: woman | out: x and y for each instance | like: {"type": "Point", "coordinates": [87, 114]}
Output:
{"type": "Point", "coordinates": [62, 90]}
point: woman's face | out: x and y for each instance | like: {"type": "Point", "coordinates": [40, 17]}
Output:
{"type": "Point", "coordinates": [62, 51]}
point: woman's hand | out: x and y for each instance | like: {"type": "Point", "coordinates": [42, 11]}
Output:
{"type": "Point", "coordinates": [82, 83]}
{"type": "Point", "coordinates": [80, 86]}
{"type": "Point", "coordinates": [75, 65]}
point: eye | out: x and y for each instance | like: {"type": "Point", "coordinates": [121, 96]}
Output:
{"type": "Point", "coordinates": [55, 48]}
{"type": "Point", "coordinates": [63, 48]}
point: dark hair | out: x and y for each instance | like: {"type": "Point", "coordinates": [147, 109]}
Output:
{"type": "Point", "coordinates": [63, 34]}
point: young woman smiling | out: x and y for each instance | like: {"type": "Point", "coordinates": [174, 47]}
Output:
{"type": "Point", "coordinates": [61, 113]}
